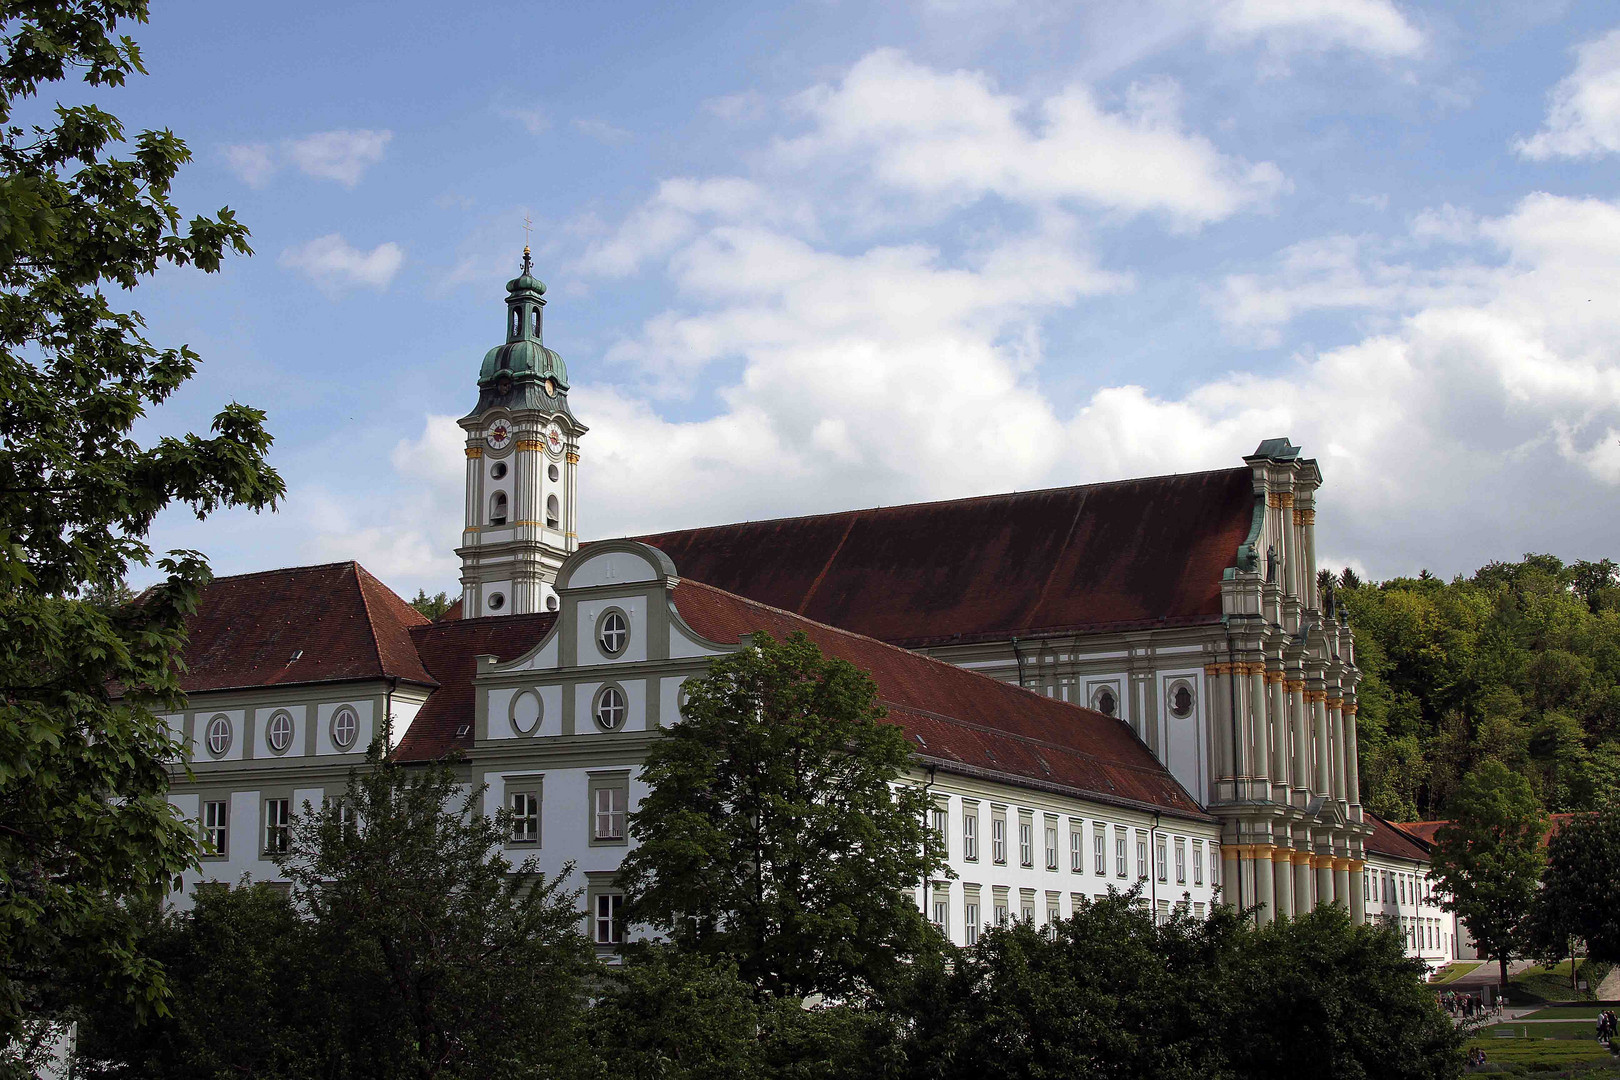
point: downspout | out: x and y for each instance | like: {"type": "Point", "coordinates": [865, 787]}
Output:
{"type": "Point", "coordinates": [1237, 741]}
{"type": "Point", "coordinates": [1019, 657]}
{"type": "Point", "coordinates": [928, 809]}
{"type": "Point", "coordinates": [1153, 882]}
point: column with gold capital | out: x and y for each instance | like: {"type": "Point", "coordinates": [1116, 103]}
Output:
{"type": "Point", "coordinates": [1265, 889]}
{"type": "Point", "coordinates": [1358, 891]}
{"type": "Point", "coordinates": [1304, 883]}
{"type": "Point", "coordinates": [1282, 873]}
{"type": "Point", "coordinates": [1323, 865]}
{"type": "Point", "coordinates": [1341, 882]}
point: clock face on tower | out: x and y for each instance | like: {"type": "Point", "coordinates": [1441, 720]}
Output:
{"type": "Point", "coordinates": [499, 434]}
{"type": "Point", "coordinates": [554, 438]}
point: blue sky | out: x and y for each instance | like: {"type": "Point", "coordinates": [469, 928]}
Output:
{"type": "Point", "coordinates": [824, 255]}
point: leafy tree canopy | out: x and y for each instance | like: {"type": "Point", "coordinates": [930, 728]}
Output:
{"type": "Point", "coordinates": [1520, 662]}
{"type": "Point", "coordinates": [1489, 857]}
{"type": "Point", "coordinates": [1580, 888]}
{"type": "Point", "coordinates": [85, 211]}
{"type": "Point", "coordinates": [778, 830]}
{"type": "Point", "coordinates": [431, 606]}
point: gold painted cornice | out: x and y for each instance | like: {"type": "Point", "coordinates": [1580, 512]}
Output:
{"type": "Point", "coordinates": [475, 451]}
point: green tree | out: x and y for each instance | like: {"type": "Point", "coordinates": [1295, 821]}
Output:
{"type": "Point", "coordinates": [431, 606]}
{"type": "Point", "coordinates": [1106, 993]}
{"type": "Point", "coordinates": [84, 821]}
{"type": "Point", "coordinates": [672, 1015]}
{"type": "Point", "coordinates": [1488, 858]}
{"type": "Point", "coordinates": [1324, 997]}
{"type": "Point", "coordinates": [1580, 888]}
{"type": "Point", "coordinates": [779, 830]}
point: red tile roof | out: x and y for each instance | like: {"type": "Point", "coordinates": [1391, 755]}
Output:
{"type": "Point", "coordinates": [965, 722]}
{"type": "Point", "coordinates": [1394, 840]}
{"type": "Point", "coordinates": [1123, 555]}
{"type": "Point", "coordinates": [449, 650]}
{"type": "Point", "coordinates": [1426, 830]}
{"type": "Point", "coordinates": [303, 624]}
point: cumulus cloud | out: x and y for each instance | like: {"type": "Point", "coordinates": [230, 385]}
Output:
{"type": "Point", "coordinates": [1583, 119]}
{"type": "Point", "coordinates": [1376, 27]}
{"type": "Point", "coordinates": [951, 138]}
{"type": "Point", "coordinates": [335, 266]}
{"type": "Point", "coordinates": [343, 156]}
{"type": "Point", "coordinates": [673, 215]}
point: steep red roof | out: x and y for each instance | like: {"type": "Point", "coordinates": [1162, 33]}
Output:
{"type": "Point", "coordinates": [965, 722]}
{"type": "Point", "coordinates": [1393, 840]}
{"type": "Point", "coordinates": [303, 624]}
{"type": "Point", "coordinates": [449, 650]}
{"type": "Point", "coordinates": [1129, 554]}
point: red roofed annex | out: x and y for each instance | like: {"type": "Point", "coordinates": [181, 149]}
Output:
{"type": "Point", "coordinates": [1105, 684]}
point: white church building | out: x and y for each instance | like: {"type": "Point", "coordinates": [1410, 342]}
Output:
{"type": "Point", "coordinates": [1104, 684]}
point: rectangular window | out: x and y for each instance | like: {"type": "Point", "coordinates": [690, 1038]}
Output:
{"type": "Point", "coordinates": [1051, 847]}
{"type": "Point", "coordinates": [1120, 867]}
{"type": "Point", "coordinates": [610, 813]}
{"type": "Point", "coordinates": [1214, 864]}
{"type": "Point", "coordinates": [998, 840]}
{"type": "Point", "coordinates": [1026, 843]}
{"type": "Point", "coordinates": [1077, 852]}
{"type": "Point", "coordinates": [942, 915]}
{"type": "Point", "coordinates": [1402, 888]}
{"type": "Point", "coordinates": [1029, 911]}
{"type": "Point", "coordinates": [609, 927]}
{"type": "Point", "coordinates": [970, 837]}
{"type": "Point", "coordinates": [277, 825]}
{"type": "Point", "coordinates": [1099, 850]}
{"type": "Point", "coordinates": [1198, 863]}
{"type": "Point", "coordinates": [1161, 859]}
{"type": "Point", "coordinates": [1141, 855]}
{"type": "Point", "coordinates": [1181, 861]}
{"type": "Point", "coordinates": [1366, 885]}
{"type": "Point", "coordinates": [525, 817]}
{"type": "Point", "coordinates": [942, 825]}
{"type": "Point", "coordinates": [970, 922]}
{"type": "Point", "coordinates": [1001, 913]}
{"type": "Point", "coordinates": [216, 818]}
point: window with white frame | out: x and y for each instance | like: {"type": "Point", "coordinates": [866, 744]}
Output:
{"type": "Point", "coordinates": [1198, 862]}
{"type": "Point", "coordinates": [608, 926]}
{"type": "Point", "coordinates": [970, 837]}
{"type": "Point", "coordinates": [219, 735]}
{"type": "Point", "coordinates": [613, 632]}
{"type": "Point", "coordinates": [1051, 845]}
{"type": "Point", "coordinates": [1141, 855]}
{"type": "Point", "coordinates": [970, 922]}
{"type": "Point", "coordinates": [1054, 914]}
{"type": "Point", "coordinates": [942, 826]}
{"type": "Point", "coordinates": [216, 827]}
{"type": "Point", "coordinates": [1077, 850]}
{"type": "Point", "coordinates": [1099, 850]}
{"type": "Point", "coordinates": [607, 812]}
{"type": "Point", "coordinates": [345, 727]}
{"type": "Point", "coordinates": [525, 803]}
{"type": "Point", "coordinates": [1161, 859]}
{"type": "Point", "coordinates": [277, 825]}
{"type": "Point", "coordinates": [1026, 843]}
{"type": "Point", "coordinates": [1181, 861]}
{"type": "Point", "coordinates": [1029, 911]}
{"type": "Point", "coordinates": [610, 708]}
{"type": "Point", "coordinates": [1120, 842]}
{"type": "Point", "coordinates": [1001, 913]}
{"type": "Point", "coordinates": [998, 840]}
{"type": "Point", "coordinates": [278, 732]}
{"type": "Point", "coordinates": [941, 915]}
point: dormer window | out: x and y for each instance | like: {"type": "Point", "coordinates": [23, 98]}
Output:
{"type": "Point", "coordinates": [553, 512]}
{"type": "Point", "coordinates": [497, 508]}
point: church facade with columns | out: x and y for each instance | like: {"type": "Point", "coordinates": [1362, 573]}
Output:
{"type": "Point", "coordinates": [1107, 685]}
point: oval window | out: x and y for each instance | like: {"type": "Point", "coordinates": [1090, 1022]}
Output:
{"type": "Point", "coordinates": [1181, 702]}
{"type": "Point", "coordinates": [497, 471]}
{"type": "Point", "coordinates": [279, 732]}
{"type": "Point", "coordinates": [219, 735]}
{"type": "Point", "coordinates": [613, 633]}
{"type": "Point", "coordinates": [526, 712]}
{"type": "Point", "coordinates": [551, 471]}
{"type": "Point", "coordinates": [497, 601]}
{"type": "Point", "coordinates": [610, 709]}
{"type": "Point", "coordinates": [1106, 703]}
{"type": "Point", "coordinates": [345, 727]}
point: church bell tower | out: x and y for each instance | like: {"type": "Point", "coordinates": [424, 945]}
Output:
{"type": "Point", "coordinates": [522, 461]}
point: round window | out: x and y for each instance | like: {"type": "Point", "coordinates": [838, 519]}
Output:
{"type": "Point", "coordinates": [551, 471]}
{"type": "Point", "coordinates": [610, 709]}
{"type": "Point", "coordinates": [219, 735]}
{"type": "Point", "coordinates": [1181, 702]}
{"type": "Point", "coordinates": [1107, 704]}
{"type": "Point", "coordinates": [497, 471]}
{"type": "Point", "coordinates": [526, 711]}
{"type": "Point", "coordinates": [613, 632]}
{"type": "Point", "coordinates": [345, 727]}
{"type": "Point", "coordinates": [496, 601]}
{"type": "Point", "coordinates": [551, 603]}
{"type": "Point", "coordinates": [279, 732]}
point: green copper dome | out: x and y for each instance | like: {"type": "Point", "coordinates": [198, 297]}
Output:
{"type": "Point", "coordinates": [524, 359]}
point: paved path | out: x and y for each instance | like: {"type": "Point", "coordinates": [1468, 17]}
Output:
{"type": "Point", "coordinates": [1609, 988]}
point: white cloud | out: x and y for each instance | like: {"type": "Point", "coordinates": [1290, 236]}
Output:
{"type": "Point", "coordinates": [672, 216]}
{"type": "Point", "coordinates": [1583, 120]}
{"type": "Point", "coordinates": [343, 156]}
{"type": "Point", "coordinates": [951, 138]}
{"type": "Point", "coordinates": [1371, 26]}
{"type": "Point", "coordinates": [255, 163]}
{"type": "Point", "coordinates": [602, 131]}
{"type": "Point", "coordinates": [334, 266]}
{"type": "Point", "coordinates": [534, 120]}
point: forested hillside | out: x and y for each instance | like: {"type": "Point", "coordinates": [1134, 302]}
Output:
{"type": "Point", "coordinates": [1520, 662]}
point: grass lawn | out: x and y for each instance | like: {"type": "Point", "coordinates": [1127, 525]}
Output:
{"type": "Point", "coordinates": [1455, 971]}
{"type": "Point", "coordinates": [1567, 1012]}
{"type": "Point", "coordinates": [1552, 984]}
{"type": "Point", "coordinates": [1547, 1058]}
{"type": "Point", "coordinates": [1572, 1029]}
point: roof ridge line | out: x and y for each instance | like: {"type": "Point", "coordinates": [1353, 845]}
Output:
{"type": "Point", "coordinates": [927, 502]}
{"type": "Point", "coordinates": [1088, 755]}
{"type": "Point", "coordinates": [371, 622]}
{"type": "Point", "coordinates": [283, 570]}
